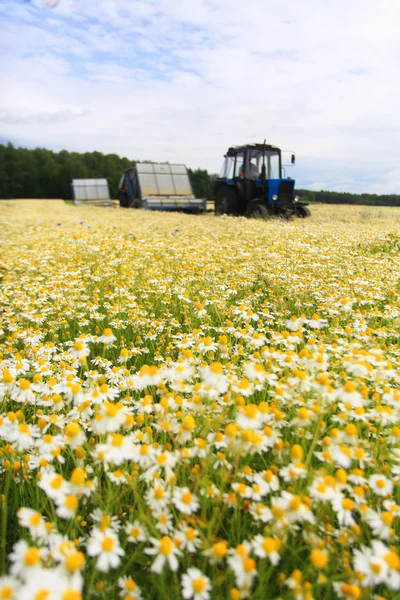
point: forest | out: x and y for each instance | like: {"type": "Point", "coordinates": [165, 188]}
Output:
{"type": "Point", "coordinates": [41, 173]}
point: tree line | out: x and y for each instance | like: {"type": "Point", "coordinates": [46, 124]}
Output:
{"type": "Point", "coordinates": [348, 198]}
{"type": "Point", "coordinates": [42, 173]}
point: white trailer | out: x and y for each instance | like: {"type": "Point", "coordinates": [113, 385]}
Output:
{"type": "Point", "coordinates": [159, 186]}
{"type": "Point", "coordinates": [91, 191]}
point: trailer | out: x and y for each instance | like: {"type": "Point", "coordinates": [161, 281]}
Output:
{"type": "Point", "coordinates": [91, 192]}
{"type": "Point", "coordinates": [158, 186]}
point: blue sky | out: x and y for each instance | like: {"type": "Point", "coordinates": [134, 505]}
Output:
{"type": "Point", "coordinates": [183, 80]}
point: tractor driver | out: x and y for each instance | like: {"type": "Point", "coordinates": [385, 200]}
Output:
{"type": "Point", "coordinates": [253, 171]}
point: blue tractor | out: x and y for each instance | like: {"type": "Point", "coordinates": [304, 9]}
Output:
{"type": "Point", "coordinates": [251, 184]}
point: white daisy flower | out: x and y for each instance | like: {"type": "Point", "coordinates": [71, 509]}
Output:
{"type": "Point", "coordinates": [106, 547]}
{"type": "Point", "coordinates": [165, 551]}
{"type": "Point", "coordinates": [380, 485]}
{"type": "Point", "coordinates": [129, 588]}
{"type": "Point", "coordinates": [9, 587]}
{"type": "Point", "coordinates": [53, 484]}
{"type": "Point", "coordinates": [343, 508]}
{"type": "Point", "coordinates": [25, 558]}
{"type": "Point", "coordinates": [34, 522]}
{"type": "Point", "coordinates": [267, 547]}
{"type": "Point", "coordinates": [108, 337]}
{"type": "Point", "coordinates": [186, 502]}
{"type": "Point", "coordinates": [136, 532]}
{"type": "Point", "coordinates": [195, 585]}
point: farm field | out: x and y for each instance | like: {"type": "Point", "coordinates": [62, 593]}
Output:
{"type": "Point", "coordinates": [199, 407]}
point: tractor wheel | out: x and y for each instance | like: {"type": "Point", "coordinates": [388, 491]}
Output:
{"type": "Point", "coordinates": [302, 211]}
{"type": "Point", "coordinates": [257, 209]}
{"type": "Point", "coordinates": [123, 200]}
{"type": "Point", "coordinates": [226, 202]}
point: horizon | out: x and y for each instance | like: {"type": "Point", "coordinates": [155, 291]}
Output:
{"type": "Point", "coordinates": [136, 160]}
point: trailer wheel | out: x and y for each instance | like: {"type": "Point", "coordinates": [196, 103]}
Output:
{"type": "Point", "coordinates": [302, 211]}
{"type": "Point", "coordinates": [257, 209]}
{"type": "Point", "coordinates": [226, 201]}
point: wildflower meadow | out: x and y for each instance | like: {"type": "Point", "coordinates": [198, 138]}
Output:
{"type": "Point", "coordinates": [199, 407]}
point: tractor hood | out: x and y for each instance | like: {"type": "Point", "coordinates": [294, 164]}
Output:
{"type": "Point", "coordinates": [280, 191]}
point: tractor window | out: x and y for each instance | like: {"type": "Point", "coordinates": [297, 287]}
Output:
{"type": "Point", "coordinates": [239, 167]}
{"type": "Point", "coordinates": [255, 162]}
{"type": "Point", "coordinates": [227, 168]}
{"type": "Point", "coordinates": [273, 165]}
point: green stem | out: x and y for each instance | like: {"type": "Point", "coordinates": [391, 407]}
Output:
{"type": "Point", "coordinates": [4, 511]}
{"type": "Point", "coordinates": [314, 441]}
{"type": "Point", "coordinates": [88, 590]}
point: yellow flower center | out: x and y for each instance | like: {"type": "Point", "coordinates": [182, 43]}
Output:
{"type": "Point", "coordinates": [220, 549]}
{"type": "Point", "coordinates": [71, 594]}
{"type": "Point", "coordinates": [349, 387]}
{"type": "Point", "coordinates": [296, 453]}
{"type": "Point", "coordinates": [35, 520]}
{"type": "Point", "coordinates": [393, 560]}
{"type": "Point", "coordinates": [108, 543]}
{"type": "Point", "coordinates": [295, 503]}
{"type": "Point", "coordinates": [144, 449]}
{"type": "Point", "coordinates": [32, 557]}
{"type": "Point", "coordinates": [24, 384]}
{"type": "Point", "coordinates": [268, 475]}
{"type": "Point", "coordinates": [187, 497]}
{"type": "Point", "coordinates": [75, 561]}
{"type": "Point", "coordinates": [78, 476]}
{"type": "Point", "coordinates": [72, 429]}
{"type": "Point", "coordinates": [24, 428]}
{"type": "Point", "coordinates": [6, 592]}
{"type": "Point", "coordinates": [347, 504]}
{"type": "Point", "coordinates": [251, 411]}
{"type": "Point", "coordinates": [166, 545]}
{"type": "Point", "coordinates": [319, 558]}
{"type": "Point", "coordinates": [387, 518]}
{"type": "Point", "coordinates": [375, 567]}
{"type": "Point", "coordinates": [42, 594]}
{"type": "Point", "coordinates": [243, 385]}
{"type": "Point", "coordinates": [190, 534]}
{"type": "Point", "coordinates": [162, 458]}
{"type": "Point", "coordinates": [303, 414]}
{"type": "Point", "coordinates": [199, 585]}
{"type": "Point", "coordinates": [249, 565]}
{"type": "Point", "coordinates": [269, 545]}
{"type": "Point", "coordinates": [7, 377]}
{"type": "Point", "coordinates": [71, 502]}
{"type": "Point", "coordinates": [57, 482]}
{"type": "Point", "coordinates": [117, 440]}
{"type": "Point", "coordinates": [130, 585]}
{"type": "Point", "coordinates": [188, 423]}
{"type": "Point", "coordinates": [111, 409]}
{"type": "Point", "coordinates": [158, 493]}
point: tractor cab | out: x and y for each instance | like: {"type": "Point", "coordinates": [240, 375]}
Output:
{"type": "Point", "coordinates": [251, 183]}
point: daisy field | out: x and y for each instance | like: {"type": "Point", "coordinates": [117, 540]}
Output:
{"type": "Point", "coordinates": [199, 407]}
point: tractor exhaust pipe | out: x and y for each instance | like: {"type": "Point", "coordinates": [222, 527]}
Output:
{"type": "Point", "coordinates": [263, 171]}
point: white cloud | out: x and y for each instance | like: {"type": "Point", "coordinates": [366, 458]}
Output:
{"type": "Point", "coordinates": [181, 81]}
